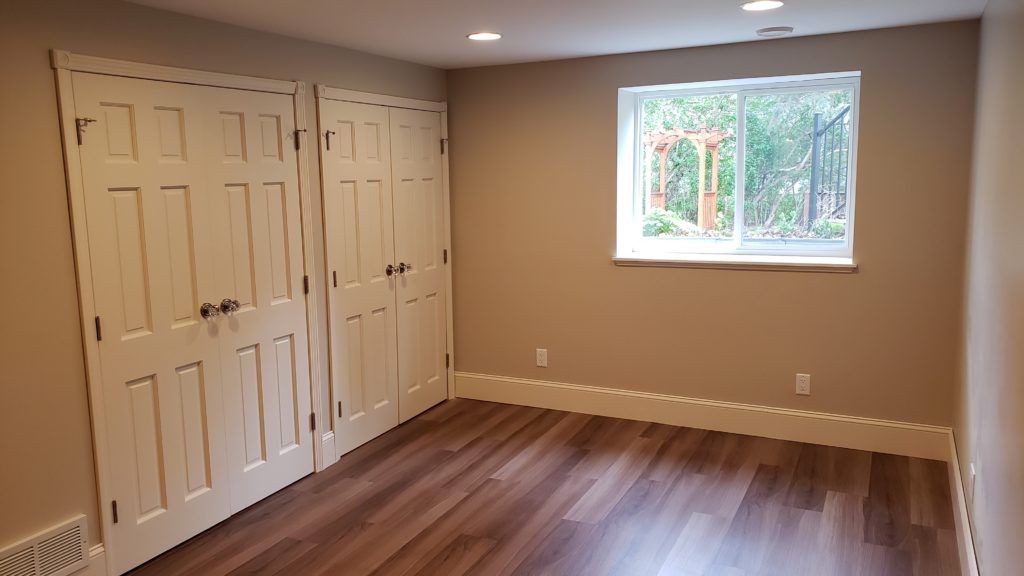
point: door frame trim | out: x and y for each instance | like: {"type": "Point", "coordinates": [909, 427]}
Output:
{"type": "Point", "coordinates": [64, 63]}
{"type": "Point", "coordinates": [324, 92]}
{"type": "Point", "coordinates": [329, 93]}
{"type": "Point", "coordinates": [65, 60]}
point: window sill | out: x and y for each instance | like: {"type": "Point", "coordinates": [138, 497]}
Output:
{"type": "Point", "coordinates": [740, 262]}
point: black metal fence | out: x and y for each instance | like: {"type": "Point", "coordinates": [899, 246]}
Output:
{"type": "Point", "coordinates": [830, 167]}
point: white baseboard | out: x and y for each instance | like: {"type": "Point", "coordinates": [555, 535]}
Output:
{"type": "Point", "coordinates": [965, 538]}
{"type": "Point", "coordinates": [918, 440]}
{"type": "Point", "coordinates": [327, 451]}
{"type": "Point", "coordinates": [97, 562]}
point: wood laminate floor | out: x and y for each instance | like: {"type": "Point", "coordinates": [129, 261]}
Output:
{"type": "Point", "coordinates": [487, 489]}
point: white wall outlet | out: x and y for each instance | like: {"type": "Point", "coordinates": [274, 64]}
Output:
{"type": "Point", "coordinates": [542, 357]}
{"type": "Point", "coordinates": [803, 384]}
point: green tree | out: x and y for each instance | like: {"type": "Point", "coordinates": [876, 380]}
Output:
{"type": "Point", "coordinates": [779, 132]}
{"type": "Point", "coordinates": [777, 166]}
{"type": "Point", "coordinates": [681, 171]}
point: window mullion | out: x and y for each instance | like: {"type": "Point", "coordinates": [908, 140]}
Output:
{"type": "Point", "coordinates": [738, 189]}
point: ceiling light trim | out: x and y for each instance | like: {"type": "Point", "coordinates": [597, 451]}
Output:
{"type": "Point", "coordinates": [484, 36]}
{"type": "Point", "coordinates": [762, 5]}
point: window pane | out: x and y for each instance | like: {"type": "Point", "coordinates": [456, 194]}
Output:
{"type": "Point", "coordinates": [796, 167]}
{"type": "Point", "coordinates": [685, 195]}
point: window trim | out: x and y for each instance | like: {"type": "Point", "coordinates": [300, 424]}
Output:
{"type": "Point", "coordinates": [633, 249]}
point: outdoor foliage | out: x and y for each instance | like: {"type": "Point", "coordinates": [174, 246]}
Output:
{"type": "Point", "coordinates": [777, 167]}
{"type": "Point", "coordinates": [681, 172]}
{"type": "Point", "coordinates": [658, 222]}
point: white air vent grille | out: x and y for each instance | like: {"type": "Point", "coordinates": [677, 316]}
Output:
{"type": "Point", "coordinates": [58, 551]}
{"type": "Point", "coordinates": [19, 564]}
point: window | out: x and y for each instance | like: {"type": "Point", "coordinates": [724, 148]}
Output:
{"type": "Point", "coordinates": [752, 171]}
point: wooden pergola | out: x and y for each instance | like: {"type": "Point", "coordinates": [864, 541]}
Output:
{"type": "Point", "coordinates": [705, 139]}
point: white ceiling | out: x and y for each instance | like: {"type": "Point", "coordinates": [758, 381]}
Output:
{"type": "Point", "coordinates": [434, 31]}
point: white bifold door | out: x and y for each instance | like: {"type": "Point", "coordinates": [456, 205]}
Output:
{"type": "Point", "coordinates": [192, 204]}
{"type": "Point", "coordinates": [384, 222]}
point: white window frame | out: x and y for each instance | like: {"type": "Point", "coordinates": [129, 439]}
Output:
{"type": "Point", "coordinates": [633, 249]}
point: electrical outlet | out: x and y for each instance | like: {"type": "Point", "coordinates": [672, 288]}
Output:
{"type": "Point", "coordinates": [803, 384]}
{"type": "Point", "coordinates": [542, 357]}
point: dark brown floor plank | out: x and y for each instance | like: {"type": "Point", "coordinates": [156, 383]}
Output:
{"type": "Point", "coordinates": [930, 501]}
{"type": "Point", "coordinates": [887, 507]}
{"type": "Point", "coordinates": [810, 479]}
{"type": "Point", "coordinates": [611, 548]}
{"type": "Point", "coordinates": [273, 559]}
{"type": "Point", "coordinates": [458, 557]}
{"type": "Point", "coordinates": [613, 484]}
{"type": "Point", "coordinates": [418, 552]}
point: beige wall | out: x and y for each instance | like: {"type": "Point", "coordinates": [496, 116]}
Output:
{"type": "Point", "coordinates": [533, 194]}
{"type": "Point", "coordinates": [990, 419]}
{"type": "Point", "coordinates": [47, 469]}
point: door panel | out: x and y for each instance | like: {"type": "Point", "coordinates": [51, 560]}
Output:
{"type": "Point", "coordinates": [257, 256]}
{"type": "Point", "coordinates": [149, 237]}
{"type": "Point", "coordinates": [419, 225]}
{"type": "Point", "coordinates": [361, 296]}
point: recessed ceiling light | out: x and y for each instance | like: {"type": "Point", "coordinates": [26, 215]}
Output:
{"type": "Point", "coordinates": [775, 31]}
{"type": "Point", "coordinates": [483, 36]}
{"type": "Point", "coordinates": [762, 5]}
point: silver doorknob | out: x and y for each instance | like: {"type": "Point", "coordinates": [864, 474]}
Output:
{"type": "Point", "coordinates": [208, 310]}
{"type": "Point", "coordinates": [228, 305]}
{"type": "Point", "coordinates": [390, 270]}
{"type": "Point", "coordinates": [403, 267]}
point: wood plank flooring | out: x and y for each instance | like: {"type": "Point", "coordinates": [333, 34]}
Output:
{"type": "Point", "coordinates": [488, 489]}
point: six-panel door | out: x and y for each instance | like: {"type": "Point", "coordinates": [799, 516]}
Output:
{"type": "Point", "coordinates": [419, 249]}
{"type": "Point", "coordinates": [191, 197]}
{"type": "Point", "coordinates": [359, 231]}
{"type": "Point", "coordinates": [149, 237]}
{"type": "Point", "coordinates": [257, 253]}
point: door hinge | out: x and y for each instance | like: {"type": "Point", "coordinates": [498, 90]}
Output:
{"type": "Point", "coordinates": [445, 255]}
{"type": "Point", "coordinates": [80, 125]}
{"type": "Point", "coordinates": [298, 143]}
{"type": "Point", "coordinates": [334, 273]}
{"type": "Point", "coordinates": [312, 421]}
{"type": "Point", "coordinates": [113, 510]}
{"type": "Point", "coordinates": [444, 144]}
{"type": "Point", "coordinates": [339, 408]}
{"type": "Point", "coordinates": [305, 284]}
{"type": "Point", "coordinates": [447, 360]}
{"type": "Point", "coordinates": [99, 329]}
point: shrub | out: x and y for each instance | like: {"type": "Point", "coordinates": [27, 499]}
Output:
{"type": "Point", "coordinates": [660, 222]}
{"type": "Point", "coordinates": [829, 229]}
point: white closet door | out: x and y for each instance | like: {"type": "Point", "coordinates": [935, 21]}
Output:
{"type": "Point", "coordinates": [149, 224]}
{"type": "Point", "coordinates": [419, 239]}
{"type": "Point", "coordinates": [258, 262]}
{"type": "Point", "coordinates": [360, 247]}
